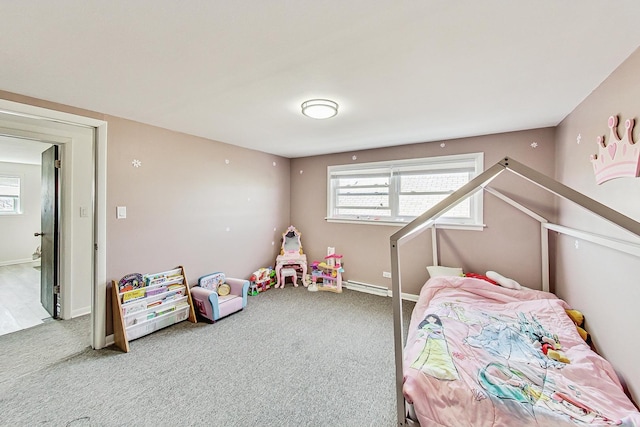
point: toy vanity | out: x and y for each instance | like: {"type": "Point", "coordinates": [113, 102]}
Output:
{"type": "Point", "coordinates": [291, 258]}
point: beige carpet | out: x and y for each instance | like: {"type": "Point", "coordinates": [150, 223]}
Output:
{"type": "Point", "coordinates": [291, 358]}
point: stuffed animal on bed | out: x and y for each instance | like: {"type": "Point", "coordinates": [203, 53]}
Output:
{"type": "Point", "coordinates": [505, 282]}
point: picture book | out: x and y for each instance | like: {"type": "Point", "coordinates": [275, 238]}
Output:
{"type": "Point", "coordinates": [133, 307]}
{"type": "Point", "coordinates": [133, 295]}
{"type": "Point", "coordinates": [130, 282]}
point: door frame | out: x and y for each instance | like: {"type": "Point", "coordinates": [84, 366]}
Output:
{"type": "Point", "coordinates": [99, 285]}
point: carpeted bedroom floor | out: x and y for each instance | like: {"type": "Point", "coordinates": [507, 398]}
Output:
{"type": "Point", "coordinates": [292, 357]}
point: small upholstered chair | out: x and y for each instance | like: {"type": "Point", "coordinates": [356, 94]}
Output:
{"type": "Point", "coordinates": [217, 296]}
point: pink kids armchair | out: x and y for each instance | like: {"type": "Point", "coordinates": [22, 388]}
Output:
{"type": "Point", "coordinates": [217, 296]}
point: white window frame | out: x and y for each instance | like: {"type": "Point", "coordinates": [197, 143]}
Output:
{"type": "Point", "coordinates": [473, 163]}
{"type": "Point", "coordinates": [18, 198]}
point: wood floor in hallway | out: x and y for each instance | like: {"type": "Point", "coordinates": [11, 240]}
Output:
{"type": "Point", "coordinates": [20, 306]}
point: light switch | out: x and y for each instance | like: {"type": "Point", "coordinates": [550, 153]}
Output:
{"type": "Point", "coordinates": [84, 212]}
{"type": "Point", "coordinates": [121, 212]}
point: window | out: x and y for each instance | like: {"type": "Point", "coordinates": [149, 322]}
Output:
{"type": "Point", "coordinates": [399, 191]}
{"type": "Point", "coordinates": [9, 194]}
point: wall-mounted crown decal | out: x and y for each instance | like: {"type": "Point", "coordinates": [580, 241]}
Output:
{"type": "Point", "coordinates": [619, 157]}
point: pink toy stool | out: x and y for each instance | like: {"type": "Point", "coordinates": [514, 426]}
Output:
{"type": "Point", "coordinates": [288, 272]}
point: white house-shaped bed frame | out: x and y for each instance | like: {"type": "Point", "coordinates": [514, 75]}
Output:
{"type": "Point", "coordinates": [428, 221]}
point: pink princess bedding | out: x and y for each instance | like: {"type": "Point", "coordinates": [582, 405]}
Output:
{"type": "Point", "coordinates": [476, 356]}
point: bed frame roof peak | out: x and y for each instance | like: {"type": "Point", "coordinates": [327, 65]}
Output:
{"type": "Point", "coordinates": [508, 164]}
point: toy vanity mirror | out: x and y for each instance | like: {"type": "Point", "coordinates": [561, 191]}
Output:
{"type": "Point", "coordinates": [291, 243]}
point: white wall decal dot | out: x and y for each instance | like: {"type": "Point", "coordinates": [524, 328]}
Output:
{"type": "Point", "coordinates": [274, 228]}
{"type": "Point", "coordinates": [578, 138]}
{"type": "Point", "coordinates": [354, 157]}
{"type": "Point", "coordinates": [273, 243]}
{"type": "Point", "coordinates": [534, 144]}
{"type": "Point", "coordinates": [136, 163]}
{"type": "Point", "coordinates": [227, 161]}
{"type": "Point", "coordinates": [301, 171]}
{"type": "Point", "coordinates": [442, 145]}
{"type": "Point", "coordinates": [228, 228]}
{"type": "Point", "coordinates": [274, 163]}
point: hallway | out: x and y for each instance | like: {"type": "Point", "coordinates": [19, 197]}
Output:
{"type": "Point", "coordinates": [20, 306]}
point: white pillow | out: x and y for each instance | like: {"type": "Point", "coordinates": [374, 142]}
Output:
{"type": "Point", "coordinates": [437, 270]}
{"type": "Point", "coordinates": [503, 281]}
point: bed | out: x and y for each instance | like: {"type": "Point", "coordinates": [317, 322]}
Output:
{"type": "Point", "coordinates": [481, 354]}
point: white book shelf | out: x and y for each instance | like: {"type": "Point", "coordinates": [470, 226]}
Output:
{"type": "Point", "coordinates": [164, 300]}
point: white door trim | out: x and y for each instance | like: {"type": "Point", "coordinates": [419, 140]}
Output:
{"type": "Point", "coordinates": [99, 288]}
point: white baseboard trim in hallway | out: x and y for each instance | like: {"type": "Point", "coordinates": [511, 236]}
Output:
{"type": "Point", "coordinates": [17, 261]}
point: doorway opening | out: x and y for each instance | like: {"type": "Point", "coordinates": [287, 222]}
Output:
{"type": "Point", "coordinates": [82, 219]}
{"type": "Point", "coordinates": [20, 250]}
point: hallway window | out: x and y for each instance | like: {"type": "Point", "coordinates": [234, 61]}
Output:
{"type": "Point", "coordinates": [9, 194]}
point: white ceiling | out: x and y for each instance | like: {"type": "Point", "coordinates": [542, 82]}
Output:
{"type": "Point", "coordinates": [237, 71]}
{"type": "Point", "coordinates": [13, 150]}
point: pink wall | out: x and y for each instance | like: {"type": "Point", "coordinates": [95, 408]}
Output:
{"type": "Point", "coordinates": [509, 244]}
{"type": "Point", "coordinates": [202, 204]}
{"type": "Point", "coordinates": [186, 205]}
{"type": "Point", "coordinates": [602, 282]}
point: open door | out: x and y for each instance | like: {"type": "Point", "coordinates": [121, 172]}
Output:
{"type": "Point", "coordinates": [49, 288]}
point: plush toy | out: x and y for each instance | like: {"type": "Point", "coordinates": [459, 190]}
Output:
{"type": "Point", "coordinates": [505, 282]}
{"type": "Point", "coordinates": [578, 318]}
{"type": "Point", "coordinates": [224, 289]}
{"type": "Point", "coordinates": [583, 334]}
{"type": "Point", "coordinates": [481, 276]}
{"type": "Point", "coordinates": [557, 355]}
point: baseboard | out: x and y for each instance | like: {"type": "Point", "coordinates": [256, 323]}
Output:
{"type": "Point", "coordinates": [16, 261]}
{"type": "Point", "coordinates": [109, 341]}
{"type": "Point", "coordinates": [368, 288]}
{"type": "Point", "coordinates": [81, 311]}
{"type": "Point", "coordinates": [406, 296]}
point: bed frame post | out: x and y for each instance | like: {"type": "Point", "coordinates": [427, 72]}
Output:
{"type": "Point", "coordinates": [434, 244]}
{"type": "Point", "coordinates": [544, 247]}
{"type": "Point", "coordinates": [544, 233]}
{"type": "Point", "coordinates": [398, 331]}
{"type": "Point", "coordinates": [405, 234]}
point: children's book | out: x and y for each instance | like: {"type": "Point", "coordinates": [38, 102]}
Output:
{"type": "Point", "coordinates": [157, 278]}
{"type": "Point", "coordinates": [130, 282]}
{"type": "Point", "coordinates": [133, 307]}
{"type": "Point", "coordinates": [133, 295]}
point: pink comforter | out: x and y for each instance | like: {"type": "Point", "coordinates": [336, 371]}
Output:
{"type": "Point", "coordinates": [473, 358]}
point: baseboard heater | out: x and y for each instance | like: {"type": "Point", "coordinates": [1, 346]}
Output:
{"type": "Point", "coordinates": [375, 290]}
{"type": "Point", "coordinates": [367, 288]}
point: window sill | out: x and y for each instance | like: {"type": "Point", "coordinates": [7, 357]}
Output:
{"type": "Point", "coordinates": [400, 224]}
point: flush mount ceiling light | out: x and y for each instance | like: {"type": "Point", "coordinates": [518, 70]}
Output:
{"type": "Point", "coordinates": [319, 108]}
